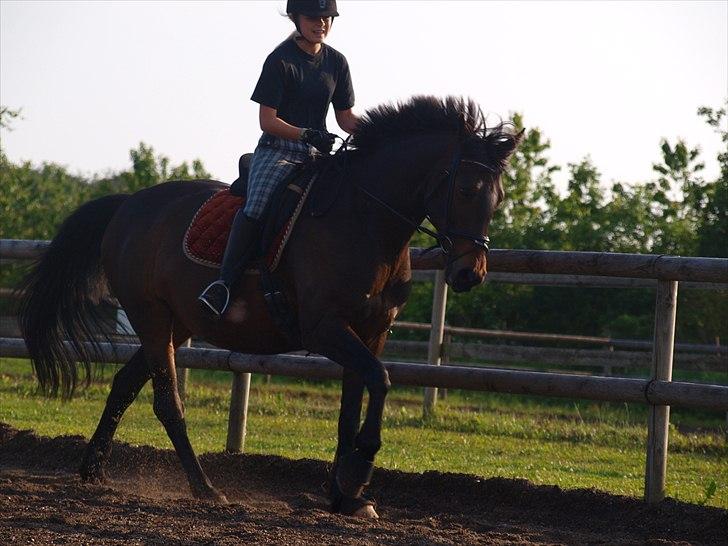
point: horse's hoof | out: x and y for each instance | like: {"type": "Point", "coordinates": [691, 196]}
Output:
{"type": "Point", "coordinates": [94, 479]}
{"type": "Point", "coordinates": [212, 495]}
{"type": "Point", "coordinates": [366, 512]}
{"type": "Point", "coordinates": [92, 473]}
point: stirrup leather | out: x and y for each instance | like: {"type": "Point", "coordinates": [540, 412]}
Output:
{"type": "Point", "coordinates": [203, 299]}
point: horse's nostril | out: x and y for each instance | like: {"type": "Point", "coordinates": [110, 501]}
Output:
{"type": "Point", "coordinates": [466, 278]}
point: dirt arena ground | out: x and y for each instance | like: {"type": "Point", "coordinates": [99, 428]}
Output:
{"type": "Point", "coordinates": [280, 501]}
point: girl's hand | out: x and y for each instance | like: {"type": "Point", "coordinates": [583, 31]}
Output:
{"type": "Point", "coordinates": [321, 140]}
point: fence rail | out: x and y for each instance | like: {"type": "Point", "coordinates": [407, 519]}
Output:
{"type": "Point", "coordinates": [599, 358]}
{"type": "Point", "coordinates": [550, 262]}
{"type": "Point", "coordinates": [660, 392]}
{"type": "Point", "coordinates": [538, 336]}
{"type": "Point", "coordinates": [605, 264]}
{"type": "Point", "coordinates": [613, 389]}
{"type": "Point", "coordinates": [578, 281]}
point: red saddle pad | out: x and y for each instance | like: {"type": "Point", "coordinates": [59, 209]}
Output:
{"type": "Point", "coordinates": [208, 232]}
{"type": "Point", "coordinates": [206, 237]}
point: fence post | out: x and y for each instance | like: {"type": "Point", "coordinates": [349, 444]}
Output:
{"type": "Point", "coordinates": [238, 418]}
{"type": "Point", "coordinates": [659, 416]}
{"type": "Point", "coordinates": [445, 355]}
{"type": "Point", "coordinates": [183, 375]}
{"type": "Point", "coordinates": [437, 328]}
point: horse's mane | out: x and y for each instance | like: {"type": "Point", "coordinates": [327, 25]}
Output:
{"type": "Point", "coordinates": [422, 114]}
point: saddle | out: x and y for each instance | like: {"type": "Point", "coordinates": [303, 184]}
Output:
{"type": "Point", "coordinates": [206, 237]}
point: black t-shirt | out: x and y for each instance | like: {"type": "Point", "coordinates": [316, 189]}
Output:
{"type": "Point", "coordinates": [301, 86]}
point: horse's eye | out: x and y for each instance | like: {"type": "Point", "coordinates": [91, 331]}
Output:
{"type": "Point", "coordinates": [471, 190]}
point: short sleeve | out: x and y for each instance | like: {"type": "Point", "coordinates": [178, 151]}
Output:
{"type": "Point", "coordinates": [343, 97]}
{"type": "Point", "coordinates": [269, 89]}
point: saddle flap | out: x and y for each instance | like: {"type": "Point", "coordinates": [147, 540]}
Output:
{"type": "Point", "coordinates": [285, 203]}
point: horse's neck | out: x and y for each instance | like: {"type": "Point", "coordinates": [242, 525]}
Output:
{"type": "Point", "coordinates": [396, 175]}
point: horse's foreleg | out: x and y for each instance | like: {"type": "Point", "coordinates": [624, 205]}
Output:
{"type": "Point", "coordinates": [336, 340]}
{"type": "Point", "coordinates": [352, 393]}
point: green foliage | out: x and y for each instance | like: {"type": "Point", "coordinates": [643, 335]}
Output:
{"type": "Point", "coordinates": [35, 199]}
{"type": "Point", "coordinates": [713, 228]}
{"type": "Point", "coordinates": [524, 219]}
{"type": "Point", "coordinates": [677, 213]}
{"type": "Point", "coordinates": [6, 117]}
{"type": "Point", "coordinates": [710, 490]}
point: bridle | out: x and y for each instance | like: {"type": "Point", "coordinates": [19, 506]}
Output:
{"type": "Point", "coordinates": [445, 236]}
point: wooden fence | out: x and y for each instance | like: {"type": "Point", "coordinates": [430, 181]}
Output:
{"type": "Point", "coordinates": [608, 342]}
{"type": "Point", "coordinates": [607, 361]}
{"type": "Point", "coordinates": [658, 391]}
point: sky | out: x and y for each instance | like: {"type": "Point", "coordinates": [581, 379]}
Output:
{"type": "Point", "coordinates": [605, 80]}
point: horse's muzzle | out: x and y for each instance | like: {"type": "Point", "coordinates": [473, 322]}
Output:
{"type": "Point", "coordinates": [466, 272]}
{"type": "Point", "coordinates": [464, 279]}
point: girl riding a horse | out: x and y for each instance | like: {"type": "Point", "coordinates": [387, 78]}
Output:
{"type": "Point", "coordinates": [299, 80]}
{"type": "Point", "coordinates": [346, 273]}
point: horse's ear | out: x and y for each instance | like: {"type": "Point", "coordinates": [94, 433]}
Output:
{"type": "Point", "coordinates": [505, 144]}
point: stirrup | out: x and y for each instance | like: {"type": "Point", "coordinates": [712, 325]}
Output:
{"type": "Point", "coordinates": [202, 297]}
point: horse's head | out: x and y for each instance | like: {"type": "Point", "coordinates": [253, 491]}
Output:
{"type": "Point", "coordinates": [443, 146]}
{"type": "Point", "coordinates": [461, 203]}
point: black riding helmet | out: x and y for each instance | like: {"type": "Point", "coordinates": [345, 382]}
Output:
{"type": "Point", "coordinates": [312, 8]}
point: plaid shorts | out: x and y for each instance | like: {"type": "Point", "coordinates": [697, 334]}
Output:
{"type": "Point", "coordinates": [274, 159]}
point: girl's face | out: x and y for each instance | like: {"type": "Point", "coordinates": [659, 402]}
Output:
{"type": "Point", "coordinates": [314, 29]}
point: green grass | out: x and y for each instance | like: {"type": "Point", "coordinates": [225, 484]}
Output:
{"type": "Point", "coordinates": [548, 441]}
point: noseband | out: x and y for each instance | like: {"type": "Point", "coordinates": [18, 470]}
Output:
{"type": "Point", "coordinates": [445, 237]}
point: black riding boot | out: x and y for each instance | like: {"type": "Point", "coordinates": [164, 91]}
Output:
{"type": "Point", "coordinates": [240, 249]}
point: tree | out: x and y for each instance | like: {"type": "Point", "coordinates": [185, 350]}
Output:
{"type": "Point", "coordinates": [713, 223]}
{"type": "Point", "coordinates": [147, 170]}
{"type": "Point", "coordinates": [524, 218]}
{"type": "Point", "coordinates": [578, 216]}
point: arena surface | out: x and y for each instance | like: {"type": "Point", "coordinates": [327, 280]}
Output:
{"type": "Point", "coordinates": [280, 501]}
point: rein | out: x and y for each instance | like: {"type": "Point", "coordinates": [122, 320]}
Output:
{"type": "Point", "coordinates": [445, 237]}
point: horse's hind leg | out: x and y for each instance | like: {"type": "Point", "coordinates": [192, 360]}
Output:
{"type": "Point", "coordinates": [127, 383]}
{"type": "Point", "coordinates": [159, 351]}
{"type": "Point", "coordinates": [125, 387]}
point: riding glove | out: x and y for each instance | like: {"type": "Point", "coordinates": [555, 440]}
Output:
{"type": "Point", "coordinates": [321, 140]}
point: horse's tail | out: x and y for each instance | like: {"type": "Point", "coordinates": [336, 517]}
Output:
{"type": "Point", "coordinates": [60, 296]}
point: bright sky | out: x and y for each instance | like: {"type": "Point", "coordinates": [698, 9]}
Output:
{"type": "Point", "coordinates": [604, 79]}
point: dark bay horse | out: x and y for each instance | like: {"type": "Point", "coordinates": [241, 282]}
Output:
{"type": "Point", "coordinates": [346, 273]}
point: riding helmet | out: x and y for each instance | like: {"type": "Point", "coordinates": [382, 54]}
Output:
{"type": "Point", "coordinates": [312, 8]}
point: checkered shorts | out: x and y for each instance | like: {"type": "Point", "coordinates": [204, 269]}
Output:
{"type": "Point", "coordinates": [274, 159]}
